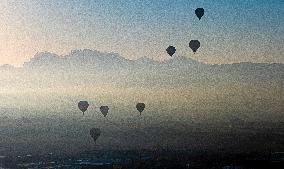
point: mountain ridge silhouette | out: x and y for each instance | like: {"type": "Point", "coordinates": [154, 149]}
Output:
{"type": "Point", "coordinates": [86, 57]}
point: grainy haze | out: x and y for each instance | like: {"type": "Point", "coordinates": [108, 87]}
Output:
{"type": "Point", "coordinates": [187, 102]}
{"type": "Point", "coordinates": [228, 97]}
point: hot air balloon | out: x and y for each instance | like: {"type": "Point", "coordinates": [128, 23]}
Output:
{"type": "Point", "coordinates": [140, 107]}
{"type": "Point", "coordinates": [95, 133]}
{"type": "Point", "coordinates": [194, 45]}
{"type": "Point", "coordinates": [83, 106]}
{"type": "Point", "coordinates": [199, 12]}
{"type": "Point", "coordinates": [171, 50]}
{"type": "Point", "coordinates": [104, 110]}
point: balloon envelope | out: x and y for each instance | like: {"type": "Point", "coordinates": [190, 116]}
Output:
{"type": "Point", "coordinates": [95, 133]}
{"type": "Point", "coordinates": [104, 110]}
{"type": "Point", "coordinates": [171, 50]}
{"type": "Point", "coordinates": [83, 106]}
{"type": "Point", "coordinates": [140, 107]}
{"type": "Point", "coordinates": [199, 12]}
{"type": "Point", "coordinates": [194, 45]}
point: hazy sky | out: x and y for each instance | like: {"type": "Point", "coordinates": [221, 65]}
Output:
{"type": "Point", "coordinates": [230, 31]}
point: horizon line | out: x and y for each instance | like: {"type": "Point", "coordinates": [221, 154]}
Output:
{"type": "Point", "coordinates": [115, 53]}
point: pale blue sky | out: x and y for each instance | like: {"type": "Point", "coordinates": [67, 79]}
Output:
{"type": "Point", "coordinates": [230, 31]}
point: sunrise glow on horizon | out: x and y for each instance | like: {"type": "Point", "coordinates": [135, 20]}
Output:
{"type": "Point", "coordinates": [229, 32]}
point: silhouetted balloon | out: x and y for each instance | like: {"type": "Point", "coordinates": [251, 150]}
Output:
{"type": "Point", "coordinates": [83, 106]}
{"type": "Point", "coordinates": [194, 45]}
{"type": "Point", "coordinates": [95, 133]}
{"type": "Point", "coordinates": [104, 110]}
{"type": "Point", "coordinates": [199, 12]}
{"type": "Point", "coordinates": [140, 107]}
{"type": "Point", "coordinates": [171, 50]}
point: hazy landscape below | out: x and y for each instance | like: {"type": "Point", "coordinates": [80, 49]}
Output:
{"type": "Point", "coordinates": [189, 105]}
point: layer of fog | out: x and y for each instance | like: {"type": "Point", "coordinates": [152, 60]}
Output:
{"type": "Point", "coordinates": [185, 102]}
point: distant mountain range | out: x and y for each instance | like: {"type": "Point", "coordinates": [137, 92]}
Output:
{"type": "Point", "coordinates": [178, 69]}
